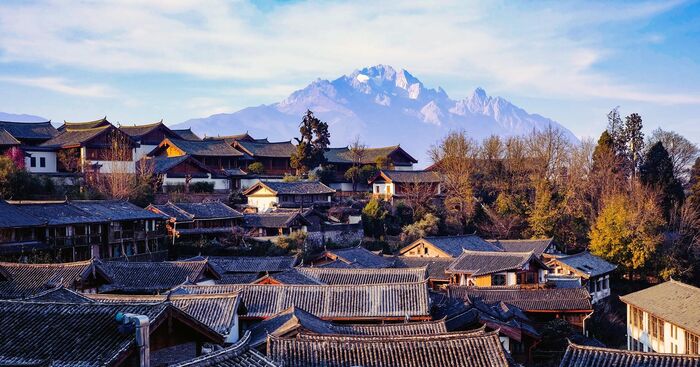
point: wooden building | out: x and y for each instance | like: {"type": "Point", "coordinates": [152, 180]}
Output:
{"type": "Point", "coordinates": [148, 136]}
{"type": "Point", "coordinates": [593, 272]}
{"type": "Point", "coordinates": [664, 319]}
{"type": "Point", "coordinates": [88, 334]}
{"type": "Point", "coordinates": [19, 232]}
{"type": "Point", "coordinates": [266, 195]}
{"type": "Point", "coordinates": [459, 349]}
{"type": "Point", "coordinates": [179, 173]}
{"type": "Point", "coordinates": [199, 220]}
{"type": "Point", "coordinates": [585, 356]}
{"type": "Point", "coordinates": [217, 155]}
{"type": "Point", "coordinates": [396, 185]}
{"type": "Point", "coordinates": [27, 136]}
{"type": "Point", "coordinates": [351, 257]}
{"type": "Point", "coordinates": [342, 159]}
{"type": "Point", "coordinates": [447, 246]}
{"type": "Point", "coordinates": [273, 224]}
{"type": "Point", "coordinates": [497, 268]}
{"type": "Point", "coordinates": [274, 156]}
{"type": "Point", "coordinates": [540, 305]}
{"type": "Point", "coordinates": [246, 269]}
{"type": "Point", "coordinates": [369, 303]}
{"type": "Point", "coordinates": [186, 134]}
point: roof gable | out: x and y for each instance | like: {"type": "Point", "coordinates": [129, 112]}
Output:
{"type": "Point", "coordinates": [585, 264]}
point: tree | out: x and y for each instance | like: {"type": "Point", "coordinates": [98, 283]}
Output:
{"type": "Point", "coordinates": [16, 154]}
{"type": "Point", "coordinates": [7, 171]}
{"type": "Point", "coordinates": [694, 183]}
{"type": "Point", "coordinates": [657, 173]}
{"type": "Point", "coordinates": [681, 151]}
{"type": "Point", "coordinates": [373, 216]}
{"type": "Point", "coordinates": [453, 158]}
{"type": "Point", "coordinates": [256, 168]}
{"type": "Point", "coordinates": [606, 174]}
{"type": "Point", "coordinates": [616, 130]}
{"type": "Point", "coordinates": [427, 226]}
{"type": "Point", "coordinates": [548, 151]}
{"type": "Point", "coordinates": [635, 140]}
{"type": "Point", "coordinates": [628, 230]}
{"type": "Point", "coordinates": [311, 145]}
{"type": "Point", "coordinates": [544, 213]}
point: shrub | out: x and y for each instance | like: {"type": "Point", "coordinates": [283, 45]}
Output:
{"type": "Point", "coordinates": [200, 187]}
{"type": "Point", "coordinates": [256, 168]}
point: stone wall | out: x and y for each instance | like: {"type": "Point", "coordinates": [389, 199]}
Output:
{"type": "Point", "coordinates": [337, 233]}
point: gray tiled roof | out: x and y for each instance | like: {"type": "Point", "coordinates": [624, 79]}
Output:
{"type": "Point", "coordinates": [554, 299]}
{"type": "Point", "coordinates": [292, 276]}
{"type": "Point", "coordinates": [84, 124]}
{"type": "Point", "coordinates": [409, 177]}
{"type": "Point", "coordinates": [365, 276]}
{"type": "Point", "coordinates": [26, 280]}
{"type": "Point", "coordinates": [71, 137]}
{"type": "Point", "coordinates": [251, 264]}
{"type": "Point", "coordinates": [536, 245]}
{"type": "Point", "coordinates": [7, 139]}
{"type": "Point", "coordinates": [137, 131]}
{"type": "Point", "coordinates": [29, 130]}
{"type": "Point", "coordinates": [115, 210]}
{"type": "Point", "coordinates": [488, 262]}
{"type": "Point", "coordinates": [294, 188]}
{"type": "Point", "coordinates": [163, 164]}
{"type": "Point", "coordinates": [215, 148]}
{"type": "Point", "coordinates": [237, 355]}
{"type": "Point", "coordinates": [13, 217]}
{"type": "Point", "coordinates": [435, 265]}
{"type": "Point", "coordinates": [206, 210]}
{"type": "Point", "coordinates": [153, 277]}
{"type": "Point", "coordinates": [217, 311]}
{"type": "Point", "coordinates": [238, 278]}
{"type": "Point", "coordinates": [672, 301]}
{"type": "Point", "coordinates": [172, 211]}
{"type": "Point", "coordinates": [58, 213]}
{"type": "Point", "coordinates": [283, 149]}
{"type": "Point", "coordinates": [586, 264]}
{"type": "Point", "coordinates": [186, 134]}
{"type": "Point", "coordinates": [456, 350]}
{"type": "Point", "coordinates": [277, 219]}
{"type": "Point", "coordinates": [292, 319]}
{"type": "Point", "coordinates": [454, 245]}
{"type": "Point", "coordinates": [370, 155]}
{"type": "Point", "coordinates": [59, 294]}
{"type": "Point", "coordinates": [360, 257]}
{"type": "Point", "coordinates": [66, 334]}
{"type": "Point", "coordinates": [330, 301]}
{"type": "Point", "coordinates": [582, 356]}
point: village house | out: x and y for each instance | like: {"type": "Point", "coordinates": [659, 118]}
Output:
{"type": "Point", "coordinates": [275, 157]}
{"type": "Point", "coordinates": [342, 159]}
{"type": "Point", "coordinates": [95, 333]}
{"type": "Point", "coordinates": [368, 303]}
{"type": "Point", "coordinates": [351, 257]}
{"type": "Point", "coordinates": [544, 248]}
{"type": "Point", "coordinates": [436, 268]}
{"type": "Point", "coordinates": [237, 355]}
{"type": "Point", "coordinates": [458, 349]}
{"type": "Point", "coordinates": [592, 272]}
{"type": "Point", "coordinates": [179, 173]}
{"type": "Point", "coordinates": [19, 280]}
{"type": "Point", "coordinates": [497, 268]}
{"type": "Point", "coordinates": [148, 136]}
{"type": "Point", "coordinates": [18, 231]}
{"type": "Point", "coordinates": [27, 136]}
{"type": "Point", "coordinates": [84, 229]}
{"type": "Point", "coordinates": [269, 225]}
{"type": "Point", "coordinates": [586, 356]}
{"type": "Point", "coordinates": [266, 195]}
{"type": "Point", "coordinates": [345, 276]}
{"type": "Point", "coordinates": [664, 319]}
{"type": "Point", "coordinates": [541, 305]}
{"type": "Point", "coordinates": [246, 269]}
{"type": "Point", "coordinates": [199, 220]}
{"type": "Point", "coordinates": [446, 246]}
{"type": "Point", "coordinates": [396, 185]}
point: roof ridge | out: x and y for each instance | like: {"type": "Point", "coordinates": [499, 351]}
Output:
{"type": "Point", "coordinates": [25, 123]}
{"type": "Point", "coordinates": [607, 349]}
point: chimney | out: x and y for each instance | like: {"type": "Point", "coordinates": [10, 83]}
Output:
{"type": "Point", "coordinates": [141, 325]}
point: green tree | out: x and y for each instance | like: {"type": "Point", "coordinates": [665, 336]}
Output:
{"type": "Point", "coordinates": [311, 145]}
{"type": "Point", "coordinates": [657, 173]}
{"type": "Point", "coordinates": [427, 226]}
{"type": "Point", "coordinates": [373, 217]}
{"type": "Point", "coordinates": [256, 168]}
{"type": "Point", "coordinates": [544, 213]}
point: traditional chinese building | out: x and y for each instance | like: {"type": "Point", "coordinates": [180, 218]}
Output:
{"type": "Point", "coordinates": [593, 272]}
{"type": "Point", "coordinates": [266, 195]}
{"type": "Point", "coordinates": [342, 159]}
{"type": "Point", "coordinates": [396, 185]}
{"type": "Point", "coordinates": [497, 268]}
{"type": "Point", "coordinates": [447, 246]}
{"type": "Point", "coordinates": [199, 220]}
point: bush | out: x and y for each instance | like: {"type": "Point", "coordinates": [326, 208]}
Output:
{"type": "Point", "coordinates": [200, 187]}
{"type": "Point", "coordinates": [291, 178]}
{"type": "Point", "coordinates": [292, 244]}
{"type": "Point", "coordinates": [428, 225]}
{"type": "Point", "coordinates": [256, 168]}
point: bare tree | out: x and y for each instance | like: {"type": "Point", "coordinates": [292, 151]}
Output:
{"type": "Point", "coordinates": [454, 158]}
{"type": "Point", "coordinates": [681, 151]}
{"type": "Point", "coordinates": [548, 149]}
{"type": "Point", "coordinates": [357, 153]}
{"type": "Point", "coordinates": [418, 195]}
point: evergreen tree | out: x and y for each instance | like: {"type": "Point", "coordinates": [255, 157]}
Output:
{"type": "Point", "coordinates": [373, 217]}
{"type": "Point", "coordinates": [616, 130]}
{"type": "Point", "coordinates": [312, 144]}
{"type": "Point", "coordinates": [657, 173]}
{"type": "Point", "coordinates": [603, 151]}
{"type": "Point", "coordinates": [635, 141]}
{"type": "Point", "coordinates": [694, 183]}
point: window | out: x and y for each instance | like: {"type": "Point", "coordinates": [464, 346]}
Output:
{"type": "Point", "coordinates": [674, 331]}
{"type": "Point", "coordinates": [32, 161]}
{"type": "Point", "coordinates": [637, 317]}
{"type": "Point", "coordinates": [691, 343]}
{"type": "Point", "coordinates": [656, 328]}
{"type": "Point", "coordinates": [498, 279]}
{"type": "Point", "coordinates": [42, 161]}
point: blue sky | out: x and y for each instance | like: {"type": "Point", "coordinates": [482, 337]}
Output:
{"type": "Point", "coordinates": [138, 62]}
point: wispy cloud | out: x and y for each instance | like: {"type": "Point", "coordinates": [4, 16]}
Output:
{"type": "Point", "coordinates": [61, 85]}
{"type": "Point", "coordinates": [551, 50]}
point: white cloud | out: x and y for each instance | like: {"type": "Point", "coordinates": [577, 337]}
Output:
{"type": "Point", "coordinates": [61, 85]}
{"type": "Point", "coordinates": [548, 51]}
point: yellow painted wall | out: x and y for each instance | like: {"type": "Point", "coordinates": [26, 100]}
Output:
{"type": "Point", "coordinates": [483, 281]}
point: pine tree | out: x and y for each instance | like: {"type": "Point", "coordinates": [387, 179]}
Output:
{"type": "Point", "coordinates": [312, 144]}
{"type": "Point", "coordinates": [657, 173]}
{"type": "Point", "coordinates": [635, 141]}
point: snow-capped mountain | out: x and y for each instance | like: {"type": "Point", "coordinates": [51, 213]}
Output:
{"type": "Point", "coordinates": [383, 106]}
